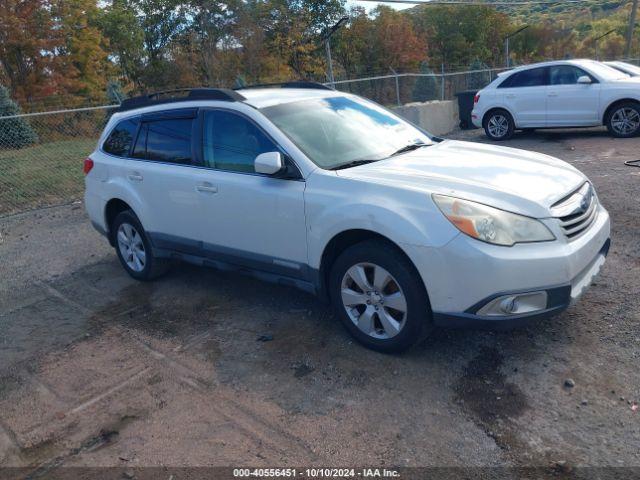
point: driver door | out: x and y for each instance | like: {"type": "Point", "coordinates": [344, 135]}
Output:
{"type": "Point", "coordinates": [248, 219]}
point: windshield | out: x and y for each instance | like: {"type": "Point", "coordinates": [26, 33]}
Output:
{"type": "Point", "coordinates": [336, 131]}
{"type": "Point", "coordinates": [605, 72]}
{"type": "Point", "coordinates": [626, 67]}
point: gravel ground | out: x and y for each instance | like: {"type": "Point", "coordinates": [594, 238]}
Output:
{"type": "Point", "coordinates": [98, 370]}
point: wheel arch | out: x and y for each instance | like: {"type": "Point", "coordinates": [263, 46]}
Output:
{"type": "Point", "coordinates": [111, 210]}
{"type": "Point", "coordinates": [614, 104]}
{"type": "Point", "coordinates": [493, 109]}
{"type": "Point", "coordinates": [339, 243]}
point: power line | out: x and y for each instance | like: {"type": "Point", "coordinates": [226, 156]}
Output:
{"type": "Point", "coordinates": [471, 2]}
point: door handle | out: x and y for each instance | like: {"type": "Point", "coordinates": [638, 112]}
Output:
{"type": "Point", "coordinates": [135, 177]}
{"type": "Point", "coordinates": [553, 94]}
{"type": "Point", "coordinates": [510, 95]}
{"type": "Point", "coordinates": [206, 188]}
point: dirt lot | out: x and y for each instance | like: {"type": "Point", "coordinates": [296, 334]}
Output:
{"type": "Point", "coordinates": [98, 370]}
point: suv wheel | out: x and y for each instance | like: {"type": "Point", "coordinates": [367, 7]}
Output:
{"type": "Point", "coordinates": [379, 297]}
{"type": "Point", "coordinates": [624, 120]}
{"type": "Point", "coordinates": [499, 125]}
{"type": "Point", "coordinates": [134, 249]}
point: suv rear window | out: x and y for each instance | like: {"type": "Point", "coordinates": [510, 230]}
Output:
{"type": "Point", "coordinates": [534, 77]}
{"type": "Point", "coordinates": [165, 140]}
{"type": "Point", "coordinates": [121, 137]}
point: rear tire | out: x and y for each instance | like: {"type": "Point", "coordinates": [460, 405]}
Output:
{"type": "Point", "coordinates": [498, 125]}
{"type": "Point", "coordinates": [623, 120]}
{"type": "Point", "coordinates": [134, 248]}
{"type": "Point", "coordinates": [379, 297]}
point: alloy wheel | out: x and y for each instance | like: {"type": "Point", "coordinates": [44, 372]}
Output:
{"type": "Point", "coordinates": [498, 125]}
{"type": "Point", "coordinates": [374, 300]}
{"type": "Point", "coordinates": [625, 121]}
{"type": "Point", "coordinates": [131, 247]}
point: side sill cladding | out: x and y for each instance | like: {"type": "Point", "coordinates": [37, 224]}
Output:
{"type": "Point", "coordinates": [273, 270]}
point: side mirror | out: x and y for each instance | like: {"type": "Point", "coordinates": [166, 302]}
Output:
{"type": "Point", "coordinates": [584, 80]}
{"type": "Point", "coordinates": [269, 163]}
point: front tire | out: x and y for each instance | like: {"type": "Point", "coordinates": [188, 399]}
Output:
{"type": "Point", "coordinates": [623, 121]}
{"type": "Point", "coordinates": [379, 297]}
{"type": "Point", "coordinates": [134, 248]}
{"type": "Point", "coordinates": [499, 125]}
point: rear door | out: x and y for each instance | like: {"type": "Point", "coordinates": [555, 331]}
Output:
{"type": "Point", "coordinates": [570, 103]}
{"type": "Point", "coordinates": [162, 174]}
{"type": "Point", "coordinates": [524, 94]}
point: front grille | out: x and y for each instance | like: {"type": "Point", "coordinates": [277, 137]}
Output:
{"type": "Point", "coordinates": [577, 211]}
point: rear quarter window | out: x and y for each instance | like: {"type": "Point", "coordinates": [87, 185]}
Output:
{"type": "Point", "coordinates": [534, 77]}
{"type": "Point", "coordinates": [121, 138]}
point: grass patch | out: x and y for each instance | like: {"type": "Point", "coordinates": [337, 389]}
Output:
{"type": "Point", "coordinates": [45, 174]}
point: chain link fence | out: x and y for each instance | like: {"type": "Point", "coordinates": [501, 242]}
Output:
{"type": "Point", "coordinates": [41, 156]}
{"type": "Point", "coordinates": [403, 88]}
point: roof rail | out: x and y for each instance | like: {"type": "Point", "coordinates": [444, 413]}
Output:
{"type": "Point", "coordinates": [169, 96]}
{"type": "Point", "coordinates": [292, 84]}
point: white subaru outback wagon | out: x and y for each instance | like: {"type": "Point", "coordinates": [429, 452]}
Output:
{"type": "Point", "coordinates": [328, 192]}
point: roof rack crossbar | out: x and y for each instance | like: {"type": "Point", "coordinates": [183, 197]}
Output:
{"type": "Point", "coordinates": [290, 84]}
{"type": "Point", "coordinates": [156, 98]}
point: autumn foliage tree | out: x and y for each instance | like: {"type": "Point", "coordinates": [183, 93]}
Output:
{"type": "Point", "coordinates": [74, 49]}
{"type": "Point", "coordinates": [28, 45]}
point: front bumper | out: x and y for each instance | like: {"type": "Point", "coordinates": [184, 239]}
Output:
{"type": "Point", "coordinates": [558, 299]}
{"type": "Point", "coordinates": [464, 275]}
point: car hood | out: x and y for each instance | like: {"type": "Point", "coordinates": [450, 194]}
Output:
{"type": "Point", "coordinates": [516, 180]}
{"type": "Point", "coordinates": [631, 81]}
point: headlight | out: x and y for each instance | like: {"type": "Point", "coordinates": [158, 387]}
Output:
{"type": "Point", "coordinates": [490, 224]}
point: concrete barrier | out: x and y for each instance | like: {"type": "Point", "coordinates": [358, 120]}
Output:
{"type": "Point", "coordinates": [437, 117]}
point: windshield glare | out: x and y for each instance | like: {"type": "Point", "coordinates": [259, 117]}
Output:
{"type": "Point", "coordinates": [338, 130]}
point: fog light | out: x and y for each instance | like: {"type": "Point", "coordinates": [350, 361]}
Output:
{"type": "Point", "coordinates": [509, 305]}
{"type": "Point", "coordinates": [515, 304]}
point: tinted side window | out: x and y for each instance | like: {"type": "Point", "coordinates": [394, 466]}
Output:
{"type": "Point", "coordinates": [168, 140]}
{"type": "Point", "coordinates": [231, 142]}
{"type": "Point", "coordinates": [140, 148]}
{"type": "Point", "coordinates": [536, 77]}
{"type": "Point", "coordinates": [566, 75]}
{"type": "Point", "coordinates": [121, 137]}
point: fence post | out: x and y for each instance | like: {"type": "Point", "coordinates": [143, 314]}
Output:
{"type": "Point", "coordinates": [442, 83]}
{"type": "Point", "coordinates": [395, 74]}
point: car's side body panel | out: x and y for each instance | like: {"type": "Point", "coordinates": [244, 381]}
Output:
{"type": "Point", "coordinates": [527, 105]}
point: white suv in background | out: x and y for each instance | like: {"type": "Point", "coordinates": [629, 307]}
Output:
{"type": "Point", "coordinates": [333, 194]}
{"type": "Point", "coordinates": [571, 93]}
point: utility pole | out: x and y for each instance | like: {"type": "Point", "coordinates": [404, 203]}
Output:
{"type": "Point", "coordinates": [598, 39]}
{"type": "Point", "coordinates": [506, 44]}
{"type": "Point", "coordinates": [632, 24]}
{"type": "Point", "coordinates": [327, 43]}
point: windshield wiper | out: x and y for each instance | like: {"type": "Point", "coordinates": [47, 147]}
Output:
{"type": "Point", "coordinates": [353, 163]}
{"type": "Point", "coordinates": [409, 148]}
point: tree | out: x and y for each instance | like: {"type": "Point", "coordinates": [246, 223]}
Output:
{"type": "Point", "coordinates": [457, 35]}
{"type": "Point", "coordinates": [120, 25]}
{"type": "Point", "coordinates": [29, 41]}
{"type": "Point", "coordinates": [425, 88]}
{"type": "Point", "coordinates": [14, 132]}
{"type": "Point", "coordinates": [478, 79]}
{"type": "Point", "coordinates": [82, 56]}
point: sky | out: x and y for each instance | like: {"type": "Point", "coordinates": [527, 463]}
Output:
{"type": "Point", "coordinates": [371, 5]}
